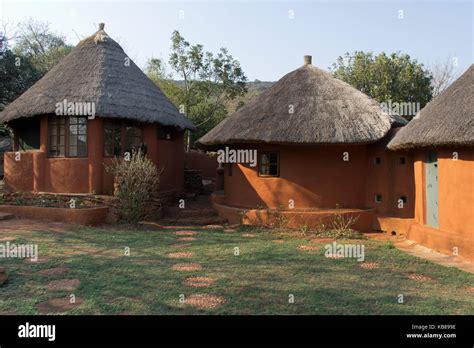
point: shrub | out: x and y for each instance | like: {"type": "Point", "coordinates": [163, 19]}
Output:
{"type": "Point", "coordinates": [137, 181]}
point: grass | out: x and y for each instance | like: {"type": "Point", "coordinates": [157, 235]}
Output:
{"type": "Point", "coordinates": [258, 281]}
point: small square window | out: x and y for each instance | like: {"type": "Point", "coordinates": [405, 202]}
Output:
{"type": "Point", "coordinates": [269, 164]}
{"type": "Point", "coordinates": [378, 198]}
{"type": "Point", "coordinates": [402, 160]}
{"type": "Point", "coordinates": [377, 160]}
{"type": "Point", "coordinates": [165, 133]}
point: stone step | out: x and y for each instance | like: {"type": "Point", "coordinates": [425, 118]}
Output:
{"type": "Point", "coordinates": [6, 216]}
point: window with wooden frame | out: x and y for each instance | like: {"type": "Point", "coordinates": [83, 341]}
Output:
{"type": "Point", "coordinates": [269, 164]}
{"type": "Point", "coordinates": [112, 139]}
{"type": "Point", "coordinates": [121, 137]}
{"type": "Point", "coordinates": [67, 136]}
{"type": "Point", "coordinates": [165, 133]}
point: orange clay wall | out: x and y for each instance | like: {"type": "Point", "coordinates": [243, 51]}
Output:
{"type": "Point", "coordinates": [455, 203]}
{"type": "Point", "coordinates": [36, 172]}
{"type": "Point", "coordinates": [311, 176]}
{"type": "Point", "coordinates": [317, 177]}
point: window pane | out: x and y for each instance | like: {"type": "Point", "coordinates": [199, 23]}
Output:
{"type": "Point", "coordinates": [77, 136]}
{"type": "Point", "coordinates": [112, 139]}
{"type": "Point", "coordinates": [269, 165]}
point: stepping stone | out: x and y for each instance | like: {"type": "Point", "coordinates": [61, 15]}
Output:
{"type": "Point", "coordinates": [57, 305]}
{"type": "Point", "coordinates": [187, 267]}
{"type": "Point", "coordinates": [7, 239]}
{"type": "Point", "coordinates": [54, 271]}
{"type": "Point", "coordinates": [63, 284]}
{"type": "Point", "coordinates": [3, 275]}
{"type": "Point", "coordinates": [278, 241]}
{"type": "Point", "coordinates": [41, 259]}
{"type": "Point", "coordinates": [420, 277]}
{"type": "Point", "coordinates": [322, 240]}
{"type": "Point", "coordinates": [180, 245]}
{"type": "Point", "coordinates": [187, 238]}
{"type": "Point", "coordinates": [6, 216]}
{"type": "Point", "coordinates": [213, 227]}
{"type": "Point", "coordinates": [180, 255]}
{"type": "Point", "coordinates": [230, 230]}
{"type": "Point", "coordinates": [249, 235]}
{"type": "Point", "coordinates": [469, 288]}
{"type": "Point", "coordinates": [204, 301]}
{"type": "Point", "coordinates": [369, 265]}
{"type": "Point", "coordinates": [307, 248]}
{"type": "Point", "coordinates": [185, 233]}
{"type": "Point", "coordinates": [199, 282]}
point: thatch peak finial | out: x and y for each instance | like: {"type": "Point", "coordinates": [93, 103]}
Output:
{"type": "Point", "coordinates": [101, 26]}
{"type": "Point", "coordinates": [307, 60]}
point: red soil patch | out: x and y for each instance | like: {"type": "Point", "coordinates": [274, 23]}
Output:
{"type": "Point", "coordinates": [54, 271]}
{"type": "Point", "coordinates": [185, 233]}
{"type": "Point", "coordinates": [204, 301]}
{"type": "Point", "coordinates": [180, 255]}
{"type": "Point", "coordinates": [63, 284]}
{"type": "Point", "coordinates": [308, 248]}
{"type": "Point", "coordinates": [187, 267]}
{"type": "Point", "coordinates": [27, 225]}
{"type": "Point", "coordinates": [420, 277]}
{"type": "Point", "coordinates": [469, 288]}
{"type": "Point", "coordinates": [369, 265]}
{"type": "Point", "coordinates": [57, 305]}
{"type": "Point", "coordinates": [187, 238]}
{"type": "Point", "coordinates": [7, 239]}
{"type": "Point", "coordinates": [199, 282]}
{"type": "Point", "coordinates": [180, 245]}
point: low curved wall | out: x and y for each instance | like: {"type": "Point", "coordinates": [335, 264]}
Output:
{"type": "Point", "coordinates": [292, 218]}
{"type": "Point", "coordinates": [86, 216]}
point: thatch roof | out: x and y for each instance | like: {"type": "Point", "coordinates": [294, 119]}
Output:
{"type": "Point", "coordinates": [326, 110]}
{"type": "Point", "coordinates": [97, 71]}
{"type": "Point", "coordinates": [448, 120]}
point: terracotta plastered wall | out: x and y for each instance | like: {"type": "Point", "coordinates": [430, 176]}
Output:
{"type": "Point", "coordinates": [205, 162]}
{"type": "Point", "coordinates": [455, 202]}
{"type": "Point", "coordinates": [37, 172]}
{"type": "Point", "coordinates": [311, 176]}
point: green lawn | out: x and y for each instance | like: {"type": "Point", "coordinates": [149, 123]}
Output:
{"type": "Point", "coordinates": [258, 281]}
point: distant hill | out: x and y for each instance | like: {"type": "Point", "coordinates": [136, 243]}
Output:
{"type": "Point", "coordinates": [254, 89]}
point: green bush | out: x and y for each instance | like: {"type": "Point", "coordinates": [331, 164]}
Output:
{"type": "Point", "coordinates": [137, 180]}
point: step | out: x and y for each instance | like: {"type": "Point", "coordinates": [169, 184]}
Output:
{"type": "Point", "coordinates": [6, 216]}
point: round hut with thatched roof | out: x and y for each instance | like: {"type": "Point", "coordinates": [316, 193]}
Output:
{"type": "Point", "coordinates": [321, 151]}
{"type": "Point", "coordinates": [94, 105]}
{"type": "Point", "coordinates": [441, 139]}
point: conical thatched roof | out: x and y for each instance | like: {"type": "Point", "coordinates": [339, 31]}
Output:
{"type": "Point", "coordinates": [98, 70]}
{"type": "Point", "coordinates": [448, 120]}
{"type": "Point", "coordinates": [326, 110]}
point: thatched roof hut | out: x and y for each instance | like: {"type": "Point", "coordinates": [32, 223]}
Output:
{"type": "Point", "coordinates": [306, 106]}
{"type": "Point", "coordinates": [98, 71]}
{"type": "Point", "coordinates": [447, 120]}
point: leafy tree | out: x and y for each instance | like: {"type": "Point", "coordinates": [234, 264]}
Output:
{"type": "Point", "coordinates": [386, 78]}
{"type": "Point", "coordinates": [208, 82]}
{"type": "Point", "coordinates": [156, 71]}
{"type": "Point", "coordinates": [40, 45]}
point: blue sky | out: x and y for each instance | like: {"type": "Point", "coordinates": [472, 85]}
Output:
{"type": "Point", "coordinates": [261, 34]}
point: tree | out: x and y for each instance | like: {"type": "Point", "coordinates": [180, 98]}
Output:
{"type": "Point", "coordinates": [44, 48]}
{"type": "Point", "coordinates": [389, 79]}
{"type": "Point", "coordinates": [443, 75]}
{"type": "Point", "coordinates": [208, 82]}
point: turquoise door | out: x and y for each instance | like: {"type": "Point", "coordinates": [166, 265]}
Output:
{"type": "Point", "coordinates": [431, 168]}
